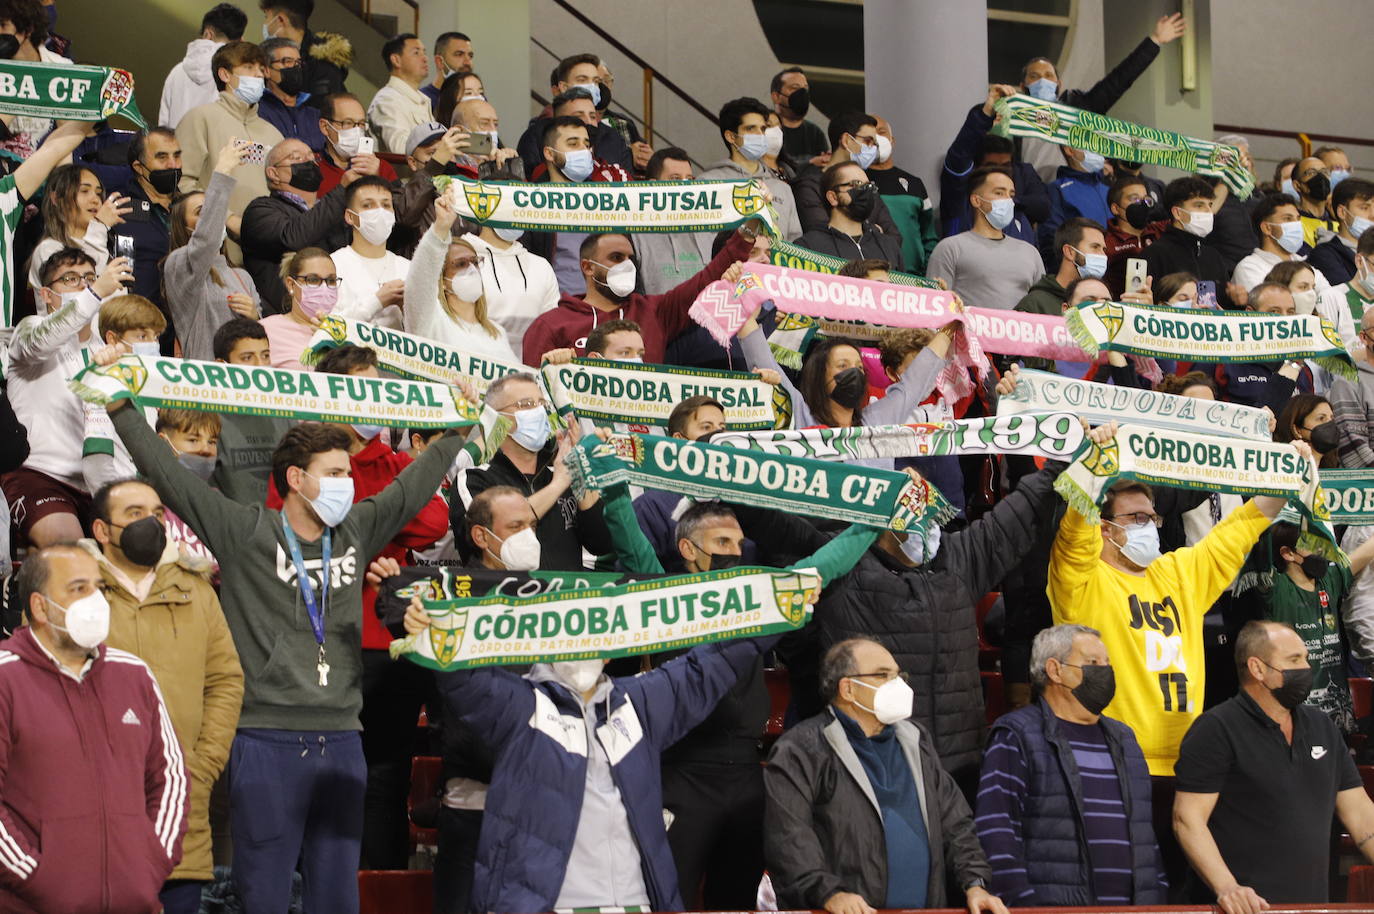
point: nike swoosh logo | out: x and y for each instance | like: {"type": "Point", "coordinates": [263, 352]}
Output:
{"type": "Point", "coordinates": [1318, 752]}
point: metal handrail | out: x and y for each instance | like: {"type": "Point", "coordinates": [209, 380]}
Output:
{"type": "Point", "coordinates": [650, 73]}
{"type": "Point", "coordinates": [1304, 140]}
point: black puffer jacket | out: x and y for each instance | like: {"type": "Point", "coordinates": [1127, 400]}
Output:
{"type": "Point", "coordinates": [923, 615]}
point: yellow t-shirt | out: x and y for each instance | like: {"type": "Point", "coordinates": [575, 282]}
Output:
{"type": "Point", "coordinates": [1150, 623]}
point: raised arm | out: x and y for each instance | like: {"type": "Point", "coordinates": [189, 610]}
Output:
{"type": "Point", "coordinates": [381, 516]}
{"type": "Point", "coordinates": [56, 148]}
{"type": "Point", "coordinates": [915, 384]}
{"type": "Point", "coordinates": [672, 306]}
{"type": "Point", "coordinates": [424, 314]}
{"type": "Point", "coordinates": [39, 338]}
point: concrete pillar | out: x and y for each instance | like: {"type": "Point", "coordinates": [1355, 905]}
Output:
{"type": "Point", "coordinates": [925, 65]}
{"type": "Point", "coordinates": [500, 34]}
{"type": "Point", "coordinates": [1157, 98]}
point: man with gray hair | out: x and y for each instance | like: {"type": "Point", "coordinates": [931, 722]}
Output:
{"type": "Point", "coordinates": [283, 104]}
{"type": "Point", "coordinates": [1063, 808]}
{"type": "Point", "coordinates": [859, 813]}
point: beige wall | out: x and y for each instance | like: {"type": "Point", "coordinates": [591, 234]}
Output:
{"type": "Point", "coordinates": [158, 30]}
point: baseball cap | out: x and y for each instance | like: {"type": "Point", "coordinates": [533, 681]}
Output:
{"type": "Point", "coordinates": [422, 134]}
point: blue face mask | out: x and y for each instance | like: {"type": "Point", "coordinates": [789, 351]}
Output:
{"type": "Point", "coordinates": [1359, 225]}
{"type": "Point", "coordinates": [753, 146]}
{"type": "Point", "coordinates": [1289, 189]}
{"type": "Point", "coordinates": [578, 165]}
{"type": "Point", "coordinates": [509, 234]}
{"type": "Point", "coordinates": [1000, 212]}
{"type": "Point", "coordinates": [1290, 238]}
{"type": "Point", "coordinates": [1094, 266]}
{"type": "Point", "coordinates": [335, 500]}
{"type": "Point", "coordinates": [150, 348]}
{"type": "Point", "coordinates": [922, 549]}
{"type": "Point", "coordinates": [1093, 162]}
{"type": "Point", "coordinates": [591, 89]}
{"type": "Point", "coordinates": [1044, 89]}
{"type": "Point", "coordinates": [367, 432]}
{"type": "Point", "coordinates": [250, 89]}
{"type": "Point", "coordinates": [1142, 543]}
{"type": "Point", "coordinates": [866, 156]}
{"type": "Point", "coordinates": [1337, 176]}
{"type": "Point", "coordinates": [531, 428]}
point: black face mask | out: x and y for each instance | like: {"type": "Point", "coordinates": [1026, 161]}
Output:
{"type": "Point", "coordinates": [799, 102]}
{"type": "Point", "coordinates": [861, 203]}
{"type": "Point", "coordinates": [850, 387]}
{"type": "Point", "coordinates": [722, 561]}
{"type": "Point", "coordinates": [292, 80]}
{"type": "Point", "coordinates": [306, 176]}
{"type": "Point", "coordinates": [143, 541]}
{"type": "Point", "coordinates": [1138, 214]}
{"type": "Point", "coordinates": [1097, 689]}
{"type": "Point", "coordinates": [1326, 437]}
{"type": "Point", "coordinates": [1296, 685]}
{"type": "Point", "coordinates": [164, 180]}
{"type": "Point", "coordinates": [1318, 186]}
{"type": "Point", "coordinates": [9, 46]}
{"type": "Point", "coordinates": [1314, 566]}
{"type": "Point", "coordinates": [605, 101]}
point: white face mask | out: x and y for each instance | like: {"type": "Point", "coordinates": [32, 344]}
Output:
{"type": "Point", "coordinates": [773, 136]}
{"type": "Point", "coordinates": [578, 675]}
{"type": "Point", "coordinates": [921, 550]}
{"type": "Point", "coordinates": [149, 348]}
{"type": "Point", "coordinates": [1199, 224]}
{"type": "Point", "coordinates": [1306, 301]}
{"type": "Point", "coordinates": [375, 224]}
{"type": "Point", "coordinates": [509, 235]}
{"type": "Point", "coordinates": [520, 552]}
{"type": "Point", "coordinates": [620, 279]}
{"type": "Point", "coordinates": [884, 148]}
{"type": "Point", "coordinates": [891, 701]}
{"type": "Point", "coordinates": [88, 619]}
{"type": "Point", "coordinates": [347, 143]}
{"type": "Point", "coordinates": [466, 284]}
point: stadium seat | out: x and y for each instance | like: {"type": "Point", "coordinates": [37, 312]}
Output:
{"type": "Point", "coordinates": [994, 695]}
{"type": "Point", "coordinates": [425, 773]}
{"type": "Point", "coordinates": [1362, 696]}
{"type": "Point", "coordinates": [395, 891]}
{"type": "Point", "coordinates": [1359, 886]}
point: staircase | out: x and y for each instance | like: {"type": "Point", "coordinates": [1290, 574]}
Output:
{"type": "Point", "coordinates": [386, 17]}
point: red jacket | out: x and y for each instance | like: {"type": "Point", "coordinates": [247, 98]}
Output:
{"type": "Point", "coordinates": [93, 788]}
{"type": "Point", "coordinates": [660, 317]}
{"type": "Point", "coordinates": [333, 174]}
{"type": "Point", "coordinates": [374, 467]}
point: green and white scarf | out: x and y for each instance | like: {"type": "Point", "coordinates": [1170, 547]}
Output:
{"type": "Point", "coordinates": [1204, 335]}
{"type": "Point", "coordinates": [785, 254]}
{"type": "Point", "coordinates": [597, 206]}
{"type": "Point", "coordinates": [617, 621]}
{"type": "Point", "coordinates": [1203, 463]}
{"type": "Point", "coordinates": [1043, 392]}
{"type": "Point", "coordinates": [1349, 496]}
{"type": "Point", "coordinates": [644, 395]}
{"type": "Point", "coordinates": [67, 92]}
{"type": "Point", "coordinates": [1055, 436]}
{"type": "Point", "coordinates": [1065, 125]}
{"type": "Point", "coordinates": [817, 488]}
{"type": "Point", "coordinates": [241, 390]}
{"type": "Point", "coordinates": [409, 356]}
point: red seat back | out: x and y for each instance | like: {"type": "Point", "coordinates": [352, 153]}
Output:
{"type": "Point", "coordinates": [392, 891]}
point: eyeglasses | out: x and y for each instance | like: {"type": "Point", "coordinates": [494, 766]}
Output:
{"type": "Point", "coordinates": [346, 125]}
{"type": "Point", "coordinates": [1138, 519]}
{"type": "Point", "coordinates": [852, 186]}
{"type": "Point", "coordinates": [462, 263]}
{"type": "Point", "coordinates": [286, 63]}
{"type": "Point", "coordinates": [72, 279]}
{"type": "Point", "coordinates": [314, 282]}
{"type": "Point", "coordinates": [885, 677]}
{"type": "Point", "coordinates": [522, 405]}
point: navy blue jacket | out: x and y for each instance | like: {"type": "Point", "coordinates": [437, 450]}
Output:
{"type": "Point", "coordinates": [1072, 193]}
{"type": "Point", "coordinates": [150, 226]}
{"type": "Point", "coordinates": [1335, 259]}
{"type": "Point", "coordinates": [538, 735]}
{"type": "Point", "coordinates": [1032, 200]}
{"type": "Point", "coordinates": [299, 123]}
{"type": "Point", "coordinates": [1052, 817]}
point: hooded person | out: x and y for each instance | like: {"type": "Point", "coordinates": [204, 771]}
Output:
{"type": "Point", "coordinates": [192, 81]}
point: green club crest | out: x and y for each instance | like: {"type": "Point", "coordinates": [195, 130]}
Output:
{"type": "Point", "coordinates": [1331, 335]}
{"type": "Point", "coordinates": [482, 200]}
{"type": "Point", "coordinates": [336, 327]}
{"type": "Point", "coordinates": [1112, 316]}
{"type": "Point", "coordinates": [1043, 119]}
{"type": "Point", "coordinates": [131, 373]}
{"type": "Point", "coordinates": [446, 634]}
{"type": "Point", "coordinates": [792, 596]}
{"type": "Point", "coordinates": [1103, 461]}
{"type": "Point", "coordinates": [747, 199]}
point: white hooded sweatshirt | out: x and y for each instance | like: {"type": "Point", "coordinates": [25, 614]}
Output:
{"type": "Point", "coordinates": [190, 83]}
{"type": "Point", "coordinates": [519, 287]}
